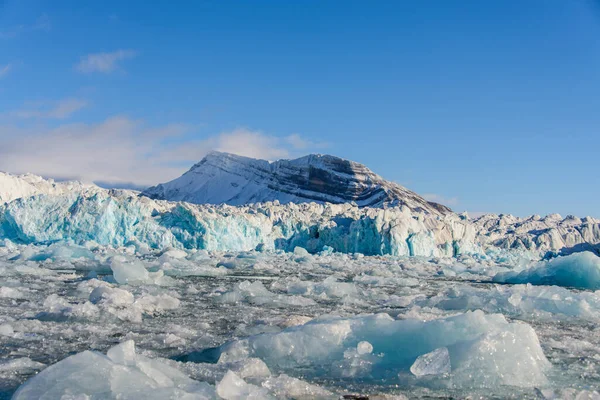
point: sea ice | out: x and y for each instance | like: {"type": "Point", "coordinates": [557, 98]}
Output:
{"type": "Point", "coordinates": [436, 362]}
{"type": "Point", "coordinates": [120, 374]}
{"type": "Point", "coordinates": [544, 303]}
{"type": "Point", "coordinates": [486, 350]}
{"type": "Point", "coordinates": [580, 270]}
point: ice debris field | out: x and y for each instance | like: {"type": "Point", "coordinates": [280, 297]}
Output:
{"type": "Point", "coordinates": [105, 295]}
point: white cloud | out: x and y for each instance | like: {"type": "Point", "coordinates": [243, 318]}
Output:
{"type": "Point", "coordinates": [252, 144]}
{"type": "Point", "coordinates": [57, 110]}
{"type": "Point", "coordinates": [5, 70]}
{"type": "Point", "coordinates": [41, 24]}
{"type": "Point", "coordinates": [121, 150]}
{"type": "Point", "coordinates": [241, 141]}
{"type": "Point", "coordinates": [447, 201]}
{"type": "Point", "coordinates": [300, 143]}
{"type": "Point", "coordinates": [103, 62]}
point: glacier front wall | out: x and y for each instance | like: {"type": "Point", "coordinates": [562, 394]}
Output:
{"type": "Point", "coordinates": [118, 218]}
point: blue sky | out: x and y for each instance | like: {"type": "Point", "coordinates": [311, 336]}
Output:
{"type": "Point", "coordinates": [485, 106]}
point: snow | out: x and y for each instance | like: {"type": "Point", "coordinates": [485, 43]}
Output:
{"type": "Point", "coordinates": [236, 180]}
{"type": "Point", "coordinates": [580, 270]}
{"type": "Point", "coordinates": [21, 186]}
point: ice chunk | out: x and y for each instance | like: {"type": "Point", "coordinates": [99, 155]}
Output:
{"type": "Point", "coordinates": [11, 293]}
{"type": "Point", "coordinates": [330, 287]}
{"type": "Point", "coordinates": [520, 301]}
{"type": "Point", "coordinates": [129, 272]}
{"type": "Point", "coordinates": [436, 362]}
{"type": "Point", "coordinates": [256, 293]}
{"type": "Point", "coordinates": [232, 387]}
{"type": "Point", "coordinates": [122, 374]}
{"type": "Point", "coordinates": [569, 394]}
{"type": "Point", "coordinates": [123, 353]}
{"type": "Point", "coordinates": [151, 304]}
{"type": "Point", "coordinates": [6, 330]}
{"type": "Point", "coordinates": [485, 350]}
{"type": "Point", "coordinates": [20, 364]}
{"type": "Point", "coordinates": [580, 270]}
{"type": "Point", "coordinates": [301, 252]}
{"type": "Point", "coordinates": [286, 387]}
{"type": "Point", "coordinates": [111, 296]}
{"type": "Point", "coordinates": [364, 347]}
{"type": "Point", "coordinates": [173, 253]}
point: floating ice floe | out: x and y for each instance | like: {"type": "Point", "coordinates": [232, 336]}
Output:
{"type": "Point", "coordinates": [121, 373]}
{"type": "Point", "coordinates": [520, 301]}
{"type": "Point", "coordinates": [483, 350]}
{"type": "Point", "coordinates": [580, 270]}
{"type": "Point", "coordinates": [124, 374]}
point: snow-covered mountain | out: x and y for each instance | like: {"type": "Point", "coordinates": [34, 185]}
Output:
{"type": "Point", "coordinates": [236, 180]}
{"type": "Point", "coordinates": [18, 186]}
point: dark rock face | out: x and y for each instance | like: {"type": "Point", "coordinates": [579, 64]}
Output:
{"type": "Point", "coordinates": [236, 180]}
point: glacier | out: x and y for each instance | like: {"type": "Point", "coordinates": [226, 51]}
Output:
{"type": "Point", "coordinates": [19, 186]}
{"type": "Point", "coordinates": [122, 218]}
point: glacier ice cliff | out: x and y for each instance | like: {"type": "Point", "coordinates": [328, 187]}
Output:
{"type": "Point", "coordinates": [118, 218]}
{"type": "Point", "coordinates": [17, 186]}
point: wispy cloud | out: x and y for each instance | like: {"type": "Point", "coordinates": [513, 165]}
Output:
{"type": "Point", "coordinates": [5, 70]}
{"type": "Point", "coordinates": [122, 150]}
{"type": "Point", "coordinates": [103, 62]}
{"type": "Point", "coordinates": [41, 24]}
{"type": "Point", "coordinates": [244, 142]}
{"type": "Point", "coordinates": [300, 143]}
{"type": "Point", "coordinates": [56, 110]}
{"type": "Point", "coordinates": [447, 201]}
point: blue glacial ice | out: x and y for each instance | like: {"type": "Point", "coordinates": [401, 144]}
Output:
{"type": "Point", "coordinates": [580, 270]}
{"type": "Point", "coordinates": [121, 373]}
{"type": "Point", "coordinates": [484, 350]}
{"type": "Point", "coordinates": [122, 218]}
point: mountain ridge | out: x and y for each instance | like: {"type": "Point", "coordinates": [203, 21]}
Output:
{"type": "Point", "coordinates": [236, 180]}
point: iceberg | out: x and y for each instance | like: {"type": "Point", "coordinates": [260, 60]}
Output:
{"type": "Point", "coordinates": [121, 373]}
{"type": "Point", "coordinates": [484, 350]}
{"type": "Point", "coordinates": [581, 270]}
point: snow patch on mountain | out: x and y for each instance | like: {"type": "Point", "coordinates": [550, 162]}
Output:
{"type": "Point", "coordinates": [236, 180]}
